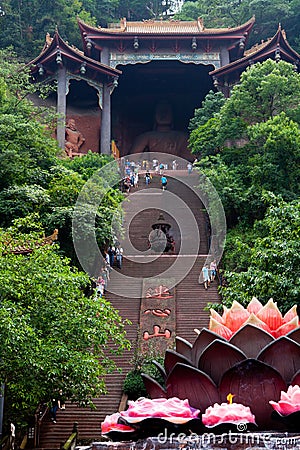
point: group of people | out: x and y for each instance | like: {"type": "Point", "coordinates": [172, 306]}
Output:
{"type": "Point", "coordinates": [163, 180]}
{"type": "Point", "coordinates": [209, 273]}
{"type": "Point", "coordinates": [113, 256]}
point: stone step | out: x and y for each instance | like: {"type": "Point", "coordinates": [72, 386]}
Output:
{"type": "Point", "coordinates": [191, 298]}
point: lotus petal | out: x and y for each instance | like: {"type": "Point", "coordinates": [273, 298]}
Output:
{"type": "Point", "coordinates": [225, 311]}
{"type": "Point", "coordinates": [186, 382]}
{"type": "Point", "coordinates": [160, 369]}
{"type": "Point", "coordinates": [251, 340]}
{"type": "Point", "coordinates": [283, 407]}
{"type": "Point", "coordinates": [184, 347]}
{"type": "Point", "coordinates": [253, 320]}
{"type": "Point", "coordinates": [111, 423]}
{"type": "Point", "coordinates": [290, 314]}
{"type": "Point", "coordinates": [165, 408]}
{"type": "Point", "coordinates": [203, 340]}
{"type": "Point", "coordinates": [154, 389]}
{"type": "Point", "coordinates": [294, 335]}
{"type": "Point", "coordinates": [284, 355]}
{"type": "Point", "coordinates": [287, 327]}
{"type": "Point", "coordinates": [215, 315]}
{"type": "Point", "coordinates": [296, 379]}
{"type": "Point", "coordinates": [254, 306]}
{"type": "Point", "coordinates": [236, 316]}
{"type": "Point", "coordinates": [172, 358]}
{"type": "Point", "coordinates": [220, 329]}
{"type": "Point", "coordinates": [218, 357]}
{"type": "Point", "coordinates": [296, 398]}
{"type": "Point", "coordinates": [271, 315]}
{"type": "Point", "coordinates": [254, 384]}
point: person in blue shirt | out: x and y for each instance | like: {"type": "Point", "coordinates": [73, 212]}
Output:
{"type": "Point", "coordinates": [164, 182]}
{"type": "Point", "coordinates": [206, 278]}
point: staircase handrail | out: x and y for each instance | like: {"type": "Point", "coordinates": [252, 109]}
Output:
{"type": "Point", "coordinates": [71, 442]}
{"type": "Point", "coordinates": [4, 442]}
{"type": "Point", "coordinates": [38, 419]}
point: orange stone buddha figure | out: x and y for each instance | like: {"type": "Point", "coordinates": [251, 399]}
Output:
{"type": "Point", "coordinates": [163, 138]}
{"type": "Point", "coordinates": [73, 139]}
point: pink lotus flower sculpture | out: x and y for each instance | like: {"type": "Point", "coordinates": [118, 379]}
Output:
{"type": "Point", "coordinates": [231, 413]}
{"type": "Point", "coordinates": [172, 409]}
{"type": "Point", "coordinates": [253, 352]}
{"type": "Point", "coordinates": [267, 317]}
{"type": "Point", "coordinates": [146, 416]}
{"type": "Point", "coordinates": [289, 401]}
{"type": "Point", "coordinates": [111, 423]}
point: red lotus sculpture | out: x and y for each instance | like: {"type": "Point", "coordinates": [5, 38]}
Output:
{"type": "Point", "coordinates": [251, 352]}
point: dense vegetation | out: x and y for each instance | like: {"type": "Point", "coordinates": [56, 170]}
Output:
{"type": "Point", "coordinates": [24, 25]}
{"type": "Point", "coordinates": [53, 332]}
{"type": "Point", "coordinates": [268, 15]}
{"type": "Point", "coordinates": [249, 147]}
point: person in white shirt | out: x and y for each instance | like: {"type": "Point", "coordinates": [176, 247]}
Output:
{"type": "Point", "coordinates": [119, 256]}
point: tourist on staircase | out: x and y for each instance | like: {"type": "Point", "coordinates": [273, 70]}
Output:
{"type": "Point", "coordinates": [57, 402]}
{"type": "Point", "coordinates": [206, 278]}
{"type": "Point", "coordinates": [213, 270]}
{"type": "Point", "coordinates": [119, 256]}
{"type": "Point", "coordinates": [164, 182]}
{"type": "Point", "coordinates": [147, 178]}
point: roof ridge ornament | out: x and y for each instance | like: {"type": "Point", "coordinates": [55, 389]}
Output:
{"type": "Point", "coordinates": [200, 23]}
{"type": "Point", "coordinates": [123, 24]}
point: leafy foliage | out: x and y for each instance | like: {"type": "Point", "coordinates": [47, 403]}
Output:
{"type": "Point", "coordinates": [52, 336]}
{"type": "Point", "coordinates": [266, 267]}
{"type": "Point", "coordinates": [211, 105]}
{"type": "Point", "coordinates": [268, 14]}
{"type": "Point", "coordinates": [250, 152]}
{"type": "Point", "coordinates": [134, 386]}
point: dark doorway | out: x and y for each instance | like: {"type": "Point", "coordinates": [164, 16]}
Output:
{"type": "Point", "coordinates": [142, 86]}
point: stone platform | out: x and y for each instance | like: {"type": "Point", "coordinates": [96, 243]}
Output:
{"type": "Point", "coordinates": [209, 441]}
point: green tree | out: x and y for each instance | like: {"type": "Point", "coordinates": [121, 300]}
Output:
{"type": "Point", "coordinates": [211, 105]}
{"type": "Point", "coordinates": [36, 178]}
{"type": "Point", "coordinates": [256, 134]}
{"type": "Point", "coordinates": [272, 259]}
{"type": "Point", "coordinates": [25, 24]}
{"type": "Point", "coordinates": [265, 90]}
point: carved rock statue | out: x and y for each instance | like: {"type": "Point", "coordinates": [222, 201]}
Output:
{"type": "Point", "coordinates": [163, 138]}
{"type": "Point", "coordinates": [73, 139]}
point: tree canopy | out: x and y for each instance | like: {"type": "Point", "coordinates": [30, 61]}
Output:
{"type": "Point", "coordinates": [53, 330]}
{"type": "Point", "coordinates": [52, 335]}
{"type": "Point", "coordinates": [249, 147]}
{"type": "Point", "coordinates": [25, 24]}
{"type": "Point", "coordinates": [268, 15]}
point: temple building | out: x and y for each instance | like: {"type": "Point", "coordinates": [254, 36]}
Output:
{"type": "Point", "coordinates": [135, 80]}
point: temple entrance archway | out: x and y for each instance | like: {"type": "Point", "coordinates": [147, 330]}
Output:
{"type": "Point", "coordinates": [142, 86]}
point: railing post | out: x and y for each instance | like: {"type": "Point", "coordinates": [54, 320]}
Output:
{"type": "Point", "coordinates": [75, 428]}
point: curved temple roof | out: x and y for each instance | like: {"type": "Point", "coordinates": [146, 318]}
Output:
{"type": "Point", "coordinates": [276, 48]}
{"type": "Point", "coordinates": [69, 55]}
{"type": "Point", "coordinates": [163, 27]}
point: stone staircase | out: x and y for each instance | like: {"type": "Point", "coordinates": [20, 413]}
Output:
{"type": "Point", "coordinates": [191, 298]}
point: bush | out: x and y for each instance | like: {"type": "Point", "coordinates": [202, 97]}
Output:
{"type": "Point", "coordinates": [134, 386]}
